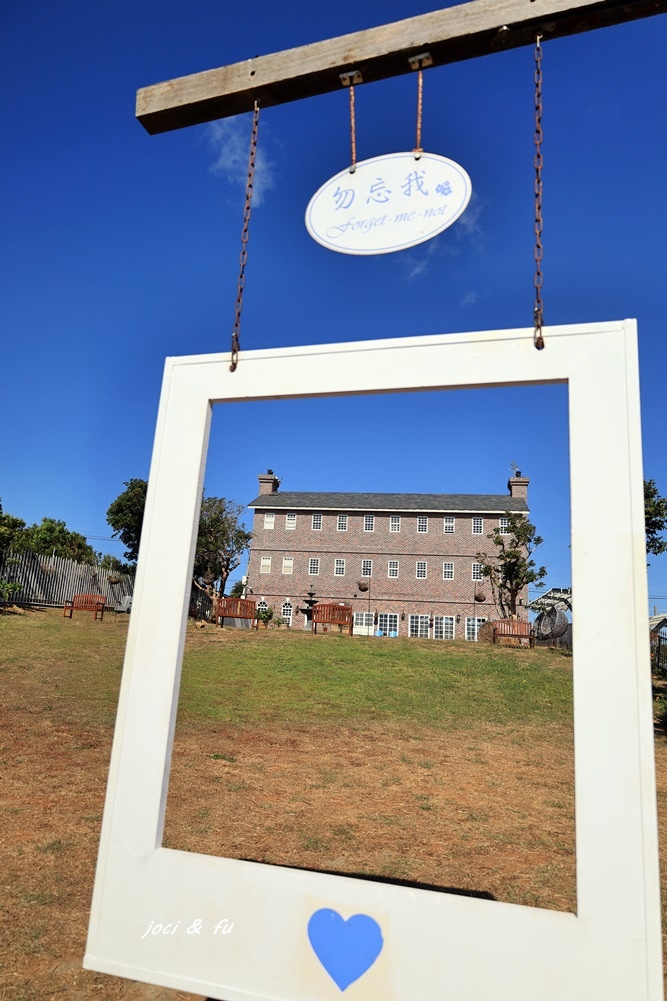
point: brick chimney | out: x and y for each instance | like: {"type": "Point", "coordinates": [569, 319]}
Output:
{"type": "Point", "coordinates": [268, 482]}
{"type": "Point", "coordinates": [518, 485]}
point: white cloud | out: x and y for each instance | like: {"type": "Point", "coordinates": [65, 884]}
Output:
{"type": "Point", "coordinates": [469, 299]}
{"type": "Point", "coordinates": [229, 140]}
{"type": "Point", "coordinates": [466, 229]}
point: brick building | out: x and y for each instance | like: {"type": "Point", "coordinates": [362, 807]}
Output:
{"type": "Point", "coordinates": [406, 563]}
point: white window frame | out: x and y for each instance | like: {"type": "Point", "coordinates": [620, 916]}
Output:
{"type": "Point", "coordinates": [367, 568]}
{"type": "Point", "coordinates": [422, 524]}
{"type": "Point", "coordinates": [341, 523]}
{"type": "Point", "coordinates": [369, 523]}
{"type": "Point", "coordinates": [290, 521]}
{"type": "Point", "coordinates": [316, 523]}
{"type": "Point", "coordinates": [447, 570]}
{"type": "Point", "coordinates": [387, 624]}
{"type": "Point", "coordinates": [472, 627]}
{"type": "Point", "coordinates": [364, 623]}
{"type": "Point", "coordinates": [394, 522]}
{"type": "Point", "coordinates": [449, 524]}
{"type": "Point", "coordinates": [313, 566]}
{"type": "Point", "coordinates": [609, 948]}
{"type": "Point", "coordinates": [288, 566]}
{"type": "Point", "coordinates": [262, 605]}
{"type": "Point", "coordinates": [287, 611]}
{"type": "Point", "coordinates": [477, 526]}
{"type": "Point", "coordinates": [503, 526]}
{"type": "Point", "coordinates": [419, 626]}
{"type": "Point", "coordinates": [444, 627]}
{"type": "Point", "coordinates": [392, 565]}
{"type": "Point", "coordinates": [421, 569]}
{"type": "Point", "coordinates": [265, 564]}
{"type": "Point", "coordinates": [269, 520]}
{"type": "Point", "coordinates": [339, 567]}
{"type": "Point", "coordinates": [476, 571]}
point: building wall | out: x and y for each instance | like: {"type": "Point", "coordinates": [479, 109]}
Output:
{"type": "Point", "coordinates": [405, 595]}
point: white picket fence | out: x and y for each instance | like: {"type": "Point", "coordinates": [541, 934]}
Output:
{"type": "Point", "coordinates": [53, 580]}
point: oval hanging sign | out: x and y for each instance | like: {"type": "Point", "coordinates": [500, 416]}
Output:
{"type": "Point", "coordinates": [388, 203]}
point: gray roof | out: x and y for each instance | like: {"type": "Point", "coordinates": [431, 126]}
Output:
{"type": "Point", "coordinates": [469, 503]}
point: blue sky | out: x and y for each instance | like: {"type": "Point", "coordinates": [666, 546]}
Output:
{"type": "Point", "coordinates": [120, 248]}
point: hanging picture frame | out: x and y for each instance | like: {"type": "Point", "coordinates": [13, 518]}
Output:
{"type": "Point", "coordinates": [245, 931]}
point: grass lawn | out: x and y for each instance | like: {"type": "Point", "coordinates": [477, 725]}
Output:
{"type": "Point", "coordinates": [444, 765]}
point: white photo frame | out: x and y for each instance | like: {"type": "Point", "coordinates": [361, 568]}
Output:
{"type": "Point", "coordinates": [244, 931]}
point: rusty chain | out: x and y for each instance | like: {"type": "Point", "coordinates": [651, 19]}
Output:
{"type": "Point", "coordinates": [353, 132]}
{"type": "Point", "coordinates": [236, 347]}
{"type": "Point", "coordinates": [420, 104]}
{"type": "Point", "coordinates": [538, 311]}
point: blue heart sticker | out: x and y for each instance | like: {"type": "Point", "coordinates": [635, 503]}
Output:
{"type": "Point", "coordinates": [346, 949]}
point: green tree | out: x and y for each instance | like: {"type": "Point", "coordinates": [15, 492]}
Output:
{"type": "Point", "coordinates": [237, 590]}
{"type": "Point", "coordinates": [221, 543]}
{"type": "Point", "coordinates": [53, 538]}
{"type": "Point", "coordinates": [126, 516]}
{"type": "Point", "coordinates": [655, 515]}
{"type": "Point", "coordinates": [111, 563]}
{"type": "Point", "coordinates": [11, 530]}
{"type": "Point", "coordinates": [510, 567]}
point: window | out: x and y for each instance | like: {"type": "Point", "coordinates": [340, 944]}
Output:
{"type": "Point", "coordinates": [422, 523]}
{"type": "Point", "coordinates": [317, 523]}
{"type": "Point", "coordinates": [448, 571]}
{"type": "Point", "coordinates": [367, 568]}
{"type": "Point", "coordinates": [395, 523]}
{"type": "Point", "coordinates": [288, 564]}
{"type": "Point", "coordinates": [313, 566]}
{"type": "Point", "coordinates": [286, 612]}
{"type": "Point", "coordinates": [472, 628]}
{"type": "Point", "coordinates": [477, 526]}
{"type": "Point", "coordinates": [269, 519]}
{"type": "Point", "coordinates": [388, 624]}
{"type": "Point", "coordinates": [449, 524]}
{"type": "Point", "coordinates": [392, 568]}
{"type": "Point", "coordinates": [262, 606]}
{"type": "Point", "coordinates": [290, 521]}
{"type": "Point", "coordinates": [369, 523]}
{"type": "Point", "coordinates": [364, 623]}
{"type": "Point", "coordinates": [342, 523]}
{"type": "Point", "coordinates": [339, 568]}
{"type": "Point", "coordinates": [418, 626]}
{"type": "Point", "coordinates": [421, 569]}
{"type": "Point", "coordinates": [443, 627]}
{"type": "Point", "coordinates": [504, 526]}
{"type": "Point", "coordinates": [265, 564]}
{"type": "Point", "coordinates": [477, 571]}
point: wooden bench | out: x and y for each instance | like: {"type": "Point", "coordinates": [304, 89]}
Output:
{"type": "Point", "coordinates": [333, 615]}
{"type": "Point", "coordinates": [85, 603]}
{"type": "Point", "coordinates": [234, 608]}
{"type": "Point", "coordinates": [507, 631]}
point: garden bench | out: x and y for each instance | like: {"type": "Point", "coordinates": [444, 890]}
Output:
{"type": "Point", "coordinates": [513, 629]}
{"type": "Point", "coordinates": [85, 603]}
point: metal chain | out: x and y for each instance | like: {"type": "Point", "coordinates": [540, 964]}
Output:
{"type": "Point", "coordinates": [236, 347]}
{"type": "Point", "coordinates": [538, 311]}
{"type": "Point", "coordinates": [420, 101]}
{"type": "Point", "coordinates": [353, 131]}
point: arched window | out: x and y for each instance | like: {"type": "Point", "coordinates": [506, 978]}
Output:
{"type": "Point", "coordinates": [262, 606]}
{"type": "Point", "coordinates": [286, 612]}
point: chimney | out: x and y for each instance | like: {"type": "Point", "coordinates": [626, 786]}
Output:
{"type": "Point", "coordinates": [518, 485]}
{"type": "Point", "coordinates": [268, 482]}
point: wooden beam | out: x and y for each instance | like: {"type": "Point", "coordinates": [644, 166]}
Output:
{"type": "Point", "coordinates": [471, 29]}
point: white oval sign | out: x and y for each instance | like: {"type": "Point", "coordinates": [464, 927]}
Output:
{"type": "Point", "coordinates": [388, 203]}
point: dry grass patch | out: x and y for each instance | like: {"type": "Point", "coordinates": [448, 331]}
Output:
{"type": "Point", "coordinates": [484, 812]}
